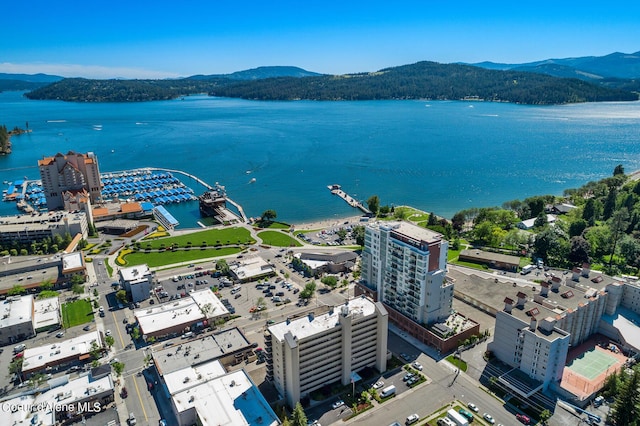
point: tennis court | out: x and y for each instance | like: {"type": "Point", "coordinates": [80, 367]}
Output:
{"type": "Point", "coordinates": [588, 368]}
{"type": "Point", "coordinates": [592, 363]}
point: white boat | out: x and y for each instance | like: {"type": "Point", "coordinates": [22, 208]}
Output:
{"type": "Point", "coordinates": [253, 180]}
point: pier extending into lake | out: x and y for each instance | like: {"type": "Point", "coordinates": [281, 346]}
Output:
{"type": "Point", "coordinates": [337, 190]}
{"type": "Point", "coordinates": [206, 185]}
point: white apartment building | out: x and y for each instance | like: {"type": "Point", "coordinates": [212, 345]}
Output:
{"type": "Point", "coordinates": [71, 173]}
{"type": "Point", "coordinates": [137, 281]}
{"type": "Point", "coordinates": [406, 265]}
{"type": "Point", "coordinates": [309, 352]}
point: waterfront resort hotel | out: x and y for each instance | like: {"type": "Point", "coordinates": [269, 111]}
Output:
{"type": "Point", "coordinates": [320, 349]}
{"type": "Point", "coordinates": [69, 177]}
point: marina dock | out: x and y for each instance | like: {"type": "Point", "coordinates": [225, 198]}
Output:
{"type": "Point", "coordinates": [337, 190]}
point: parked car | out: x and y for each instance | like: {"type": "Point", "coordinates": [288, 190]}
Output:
{"type": "Point", "coordinates": [124, 393]}
{"type": "Point", "coordinates": [86, 328]}
{"type": "Point", "coordinates": [378, 385]}
{"type": "Point", "coordinates": [417, 366]}
{"type": "Point", "coordinates": [60, 334]}
{"type": "Point", "coordinates": [407, 377]}
{"type": "Point", "coordinates": [337, 404]}
{"type": "Point", "coordinates": [472, 407]}
{"type": "Point", "coordinates": [411, 419]}
{"type": "Point", "coordinates": [488, 418]}
{"type": "Point", "coordinates": [523, 419]}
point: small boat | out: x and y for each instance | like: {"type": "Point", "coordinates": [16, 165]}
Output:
{"type": "Point", "coordinates": [253, 180]}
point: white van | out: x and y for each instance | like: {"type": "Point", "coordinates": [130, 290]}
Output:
{"type": "Point", "coordinates": [526, 269]}
{"type": "Point", "coordinates": [388, 391]}
{"type": "Point", "coordinates": [187, 335]}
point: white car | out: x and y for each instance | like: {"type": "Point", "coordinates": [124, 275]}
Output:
{"type": "Point", "coordinates": [473, 407]}
{"type": "Point", "coordinates": [60, 334]}
{"type": "Point", "coordinates": [488, 418]}
{"type": "Point", "coordinates": [412, 418]}
{"type": "Point", "coordinates": [417, 366]}
{"type": "Point", "coordinates": [107, 333]}
{"type": "Point", "coordinates": [337, 404]}
{"type": "Point", "coordinates": [379, 384]}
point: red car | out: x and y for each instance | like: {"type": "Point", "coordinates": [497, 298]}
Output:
{"type": "Point", "coordinates": [523, 419]}
{"type": "Point", "coordinates": [124, 392]}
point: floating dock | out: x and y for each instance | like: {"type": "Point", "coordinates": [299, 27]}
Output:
{"type": "Point", "coordinates": [337, 190]}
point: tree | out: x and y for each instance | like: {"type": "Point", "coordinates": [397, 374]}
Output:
{"type": "Point", "coordinates": [118, 367]}
{"type": "Point", "coordinates": [109, 340]}
{"type": "Point", "coordinates": [77, 279]}
{"type": "Point", "coordinates": [458, 221]}
{"type": "Point", "coordinates": [309, 289]}
{"type": "Point", "coordinates": [618, 224]}
{"type": "Point", "coordinates": [374, 204]}
{"type": "Point", "coordinates": [610, 204]}
{"type": "Point", "coordinates": [15, 366]}
{"type": "Point", "coordinates": [268, 215]}
{"type": "Point", "coordinates": [433, 219]}
{"type": "Point", "coordinates": [121, 295]}
{"type": "Point", "coordinates": [342, 233]}
{"type": "Point", "coordinates": [298, 417]}
{"type": "Point", "coordinates": [358, 234]}
{"type": "Point", "coordinates": [625, 409]}
{"type": "Point", "coordinates": [552, 245]}
{"type": "Point", "coordinates": [135, 333]}
{"type": "Point", "coordinates": [619, 170]}
{"type": "Point", "coordinates": [591, 211]}
{"type": "Point", "coordinates": [222, 267]}
{"type": "Point", "coordinates": [577, 227]}
{"type": "Point", "coordinates": [16, 290]}
{"type": "Point", "coordinates": [541, 220]}
{"type": "Point", "coordinates": [630, 250]}
{"type": "Point", "coordinates": [579, 251]}
{"type": "Point", "coordinates": [330, 281]}
{"type": "Point", "coordinates": [545, 415]}
{"type": "Point", "coordinates": [77, 288]}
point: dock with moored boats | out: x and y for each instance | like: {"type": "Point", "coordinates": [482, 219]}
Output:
{"type": "Point", "coordinates": [337, 190]}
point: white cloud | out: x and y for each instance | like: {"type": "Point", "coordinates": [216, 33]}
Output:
{"type": "Point", "coordinates": [87, 71]}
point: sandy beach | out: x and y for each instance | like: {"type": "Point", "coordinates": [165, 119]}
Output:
{"type": "Point", "coordinates": [328, 223]}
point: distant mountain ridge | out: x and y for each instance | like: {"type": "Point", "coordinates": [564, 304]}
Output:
{"type": "Point", "coordinates": [260, 73]}
{"type": "Point", "coordinates": [616, 65]}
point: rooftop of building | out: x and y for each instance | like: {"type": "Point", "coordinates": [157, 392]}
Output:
{"type": "Point", "coordinates": [40, 408]}
{"type": "Point", "coordinates": [46, 312]}
{"type": "Point", "coordinates": [490, 256]}
{"type": "Point", "coordinates": [168, 315]}
{"type": "Point", "coordinates": [208, 302]}
{"type": "Point", "coordinates": [72, 262]}
{"type": "Point", "coordinates": [408, 229]}
{"type": "Point", "coordinates": [232, 399]}
{"type": "Point", "coordinates": [40, 356]}
{"type": "Point", "coordinates": [310, 325]}
{"type": "Point", "coordinates": [36, 221]}
{"type": "Point", "coordinates": [251, 267]}
{"type": "Point", "coordinates": [560, 295]}
{"type": "Point", "coordinates": [134, 273]}
{"type": "Point", "coordinates": [16, 310]}
{"type": "Point", "coordinates": [170, 357]}
{"type": "Point", "coordinates": [191, 376]}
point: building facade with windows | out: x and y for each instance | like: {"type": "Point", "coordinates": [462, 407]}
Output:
{"type": "Point", "coordinates": [307, 353]}
{"type": "Point", "coordinates": [405, 265]}
{"type": "Point", "coordinates": [66, 174]}
{"type": "Point", "coordinates": [137, 281]}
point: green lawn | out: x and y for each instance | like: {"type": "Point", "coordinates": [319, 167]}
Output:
{"type": "Point", "coordinates": [162, 258]}
{"type": "Point", "coordinates": [76, 313]}
{"type": "Point", "coordinates": [273, 225]}
{"type": "Point", "coordinates": [279, 239]}
{"type": "Point", "coordinates": [457, 362]}
{"type": "Point", "coordinates": [211, 237]}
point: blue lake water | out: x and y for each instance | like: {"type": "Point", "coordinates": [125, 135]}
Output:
{"type": "Point", "coordinates": [435, 155]}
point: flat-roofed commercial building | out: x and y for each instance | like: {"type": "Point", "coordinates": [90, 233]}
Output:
{"type": "Point", "coordinates": [46, 314]}
{"type": "Point", "coordinates": [63, 402]}
{"type": "Point", "coordinates": [16, 319]}
{"type": "Point", "coordinates": [251, 269]}
{"type": "Point", "coordinates": [28, 228]}
{"type": "Point", "coordinates": [137, 281]}
{"type": "Point", "coordinates": [179, 316]}
{"type": "Point", "coordinates": [306, 353]}
{"type": "Point", "coordinates": [404, 267]}
{"type": "Point", "coordinates": [65, 352]}
{"type": "Point", "coordinates": [73, 172]}
{"type": "Point", "coordinates": [73, 264]}
{"type": "Point", "coordinates": [491, 259]}
{"type": "Point", "coordinates": [207, 395]}
{"type": "Point", "coordinates": [30, 272]}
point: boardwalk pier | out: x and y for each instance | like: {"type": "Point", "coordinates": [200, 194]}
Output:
{"type": "Point", "coordinates": [337, 190]}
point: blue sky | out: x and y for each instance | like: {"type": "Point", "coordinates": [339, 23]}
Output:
{"type": "Point", "coordinates": [156, 39]}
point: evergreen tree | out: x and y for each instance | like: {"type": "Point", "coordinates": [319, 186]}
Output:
{"type": "Point", "coordinates": [625, 410]}
{"type": "Point", "coordinates": [298, 417]}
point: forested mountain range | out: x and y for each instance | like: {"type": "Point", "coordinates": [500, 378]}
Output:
{"type": "Point", "coordinates": [524, 83]}
{"type": "Point", "coordinates": [428, 80]}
